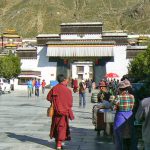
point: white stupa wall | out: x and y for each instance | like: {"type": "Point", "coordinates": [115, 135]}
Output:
{"type": "Point", "coordinates": [120, 64]}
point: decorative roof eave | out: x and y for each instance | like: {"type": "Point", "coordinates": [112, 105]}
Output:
{"type": "Point", "coordinates": [11, 45]}
{"type": "Point", "coordinates": [26, 49]}
{"type": "Point", "coordinates": [91, 43]}
{"type": "Point", "coordinates": [48, 36]}
{"type": "Point", "coordinates": [11, 36]}
{"type": "Point", "coordinates": [137, 47]}
{"type": "Point", "coordinates": [79, 51]}
{"type": "Point", "coordinates": [81, 23]}
{"type": "Point", "coordinates": [27, 72]}
{"type": "Point", "coordinates": [132, 54]}
{"type": "Point", "coordinates": [115, 34]}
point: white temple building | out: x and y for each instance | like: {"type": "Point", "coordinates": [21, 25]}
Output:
{"type": "Point", "coordinates": [81, 50]}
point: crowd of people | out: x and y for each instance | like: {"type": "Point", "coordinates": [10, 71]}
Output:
{"type": "Point", "coordinates": [113, 94]}
{"type": "Point", "coordinates": [33, 86]}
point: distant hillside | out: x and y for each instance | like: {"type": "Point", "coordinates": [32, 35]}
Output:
{"type": "Point", "coordinates": [31, 17]}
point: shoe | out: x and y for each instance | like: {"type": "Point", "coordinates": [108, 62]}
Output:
{"type": "Point", "coordinates": [58, 145]}
{"type": "Point", "coordinates": [58, 148]}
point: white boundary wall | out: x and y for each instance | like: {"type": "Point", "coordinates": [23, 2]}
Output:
{"type": "Point", "coordinates": [120, 63]}
{"type": "Point", "coordinates": [48, 69]}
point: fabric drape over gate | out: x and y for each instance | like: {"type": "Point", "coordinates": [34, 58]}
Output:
{"type": "Point", "coordinates": [79, 51]}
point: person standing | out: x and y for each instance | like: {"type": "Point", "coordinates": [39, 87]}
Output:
{"type": "Point", "coordinates": [89, 85]}
{"type": "Point", "coordinates": [43, 86]}
{"type": "Point", "coordinates": [82, 88]}
{"type": "Point", "coordinates": [103, 94]}
{"type": "Point", "coordinates": [62, 100]}
{"type": "Point", "coordinates": [33, 85]}
{"type": "Point", "coordinates": [75, 85]}
{"type": "Point", "coordinates": [29, 86]}
{"type": "Point", "coordinates": [37, 86]}
{"type": "Point", "coordinates": [124, 119]}
{"type": "Point", "coordinates": [143, 115]}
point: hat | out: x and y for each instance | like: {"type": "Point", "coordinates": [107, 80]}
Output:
{"type": "Point", "coordinates": [82, 81]}
{"type": "Point", "coordinates": [102, 84]}
{"type": "Point", "coordinates": [127, 83]}
{"type": "Point", "coordinates": [121, 85]}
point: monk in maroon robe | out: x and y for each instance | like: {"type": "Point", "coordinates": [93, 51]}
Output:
{"type": "Point", "coordinates": [75, 85]}
{"type": "Point", "coordinates": [61, 97]}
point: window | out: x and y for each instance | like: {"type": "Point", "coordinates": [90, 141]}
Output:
{"type": "Point", "coordinates": [80, 35]}
{"type": "Point", "coordinates": [90, 68]}
{"type": "Point", "coordinates": [23, 81]}
{"type": "Point", "coordinates": [27, 54]}
{"type": "Point", "coordinates": [53, 59]}
{"type": "Point", "coordinates": [5, 81]}
{"type": "Point", "coordinates": [80, 69]}
{"type": "Point", "coordinates": [90, 76]}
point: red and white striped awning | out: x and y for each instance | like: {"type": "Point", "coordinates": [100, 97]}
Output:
{"type": "Point", "coordinates": [79, 51]}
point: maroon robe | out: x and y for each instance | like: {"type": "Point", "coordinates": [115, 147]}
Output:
{"type": "Point", "coordinates": [62, 99]}
{"type": "Point", "coordinates": [75, 86]}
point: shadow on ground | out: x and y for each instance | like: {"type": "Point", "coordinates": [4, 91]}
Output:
{"type": "Point", "coordinates": [25, 138]}
{"type": "Point", "coordinates": [82, 139]}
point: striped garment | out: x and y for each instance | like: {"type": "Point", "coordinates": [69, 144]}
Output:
{"type": "Point", "coordinates": [124, 102]}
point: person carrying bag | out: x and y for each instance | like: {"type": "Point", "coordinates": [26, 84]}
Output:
{"type": "Point", "coordinates": [50, 111]}
{"type": "Point", "coordinates": [82, 91]}
{"type": "Point", "coordinates": [61, 99]}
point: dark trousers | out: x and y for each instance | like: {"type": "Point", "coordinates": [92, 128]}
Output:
{"type": "Point", "coordinates": [90, 89]}
{"type": "Point", "coordinates": [36, 91]}
{"type": "Point", "coordinates": [82, 100]}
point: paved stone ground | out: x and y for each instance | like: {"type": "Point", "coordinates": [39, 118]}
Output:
{"type": "Point", "coordinates": [25, 126]}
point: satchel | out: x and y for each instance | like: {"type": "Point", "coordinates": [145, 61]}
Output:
{"type": "Point", "coordinates": [50, 110]}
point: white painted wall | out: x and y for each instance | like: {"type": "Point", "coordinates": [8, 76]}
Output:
{"type": "Point", "coordinates": [29, 64]}
{"type": "Point", "coordinates": [78, 37]}
{"type": "Point", "coordinates": [120, 63]}
{"type": "Point", "coordinates": [74, 71]}
{"type": "Point", "coordinates": [48, 69]}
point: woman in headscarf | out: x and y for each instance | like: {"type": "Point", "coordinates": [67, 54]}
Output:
{"type": "Point", "coordinates": [124, 120]}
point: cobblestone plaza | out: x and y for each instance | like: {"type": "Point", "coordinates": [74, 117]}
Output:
{"type": "Point", "coordinates": [25, 126]}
